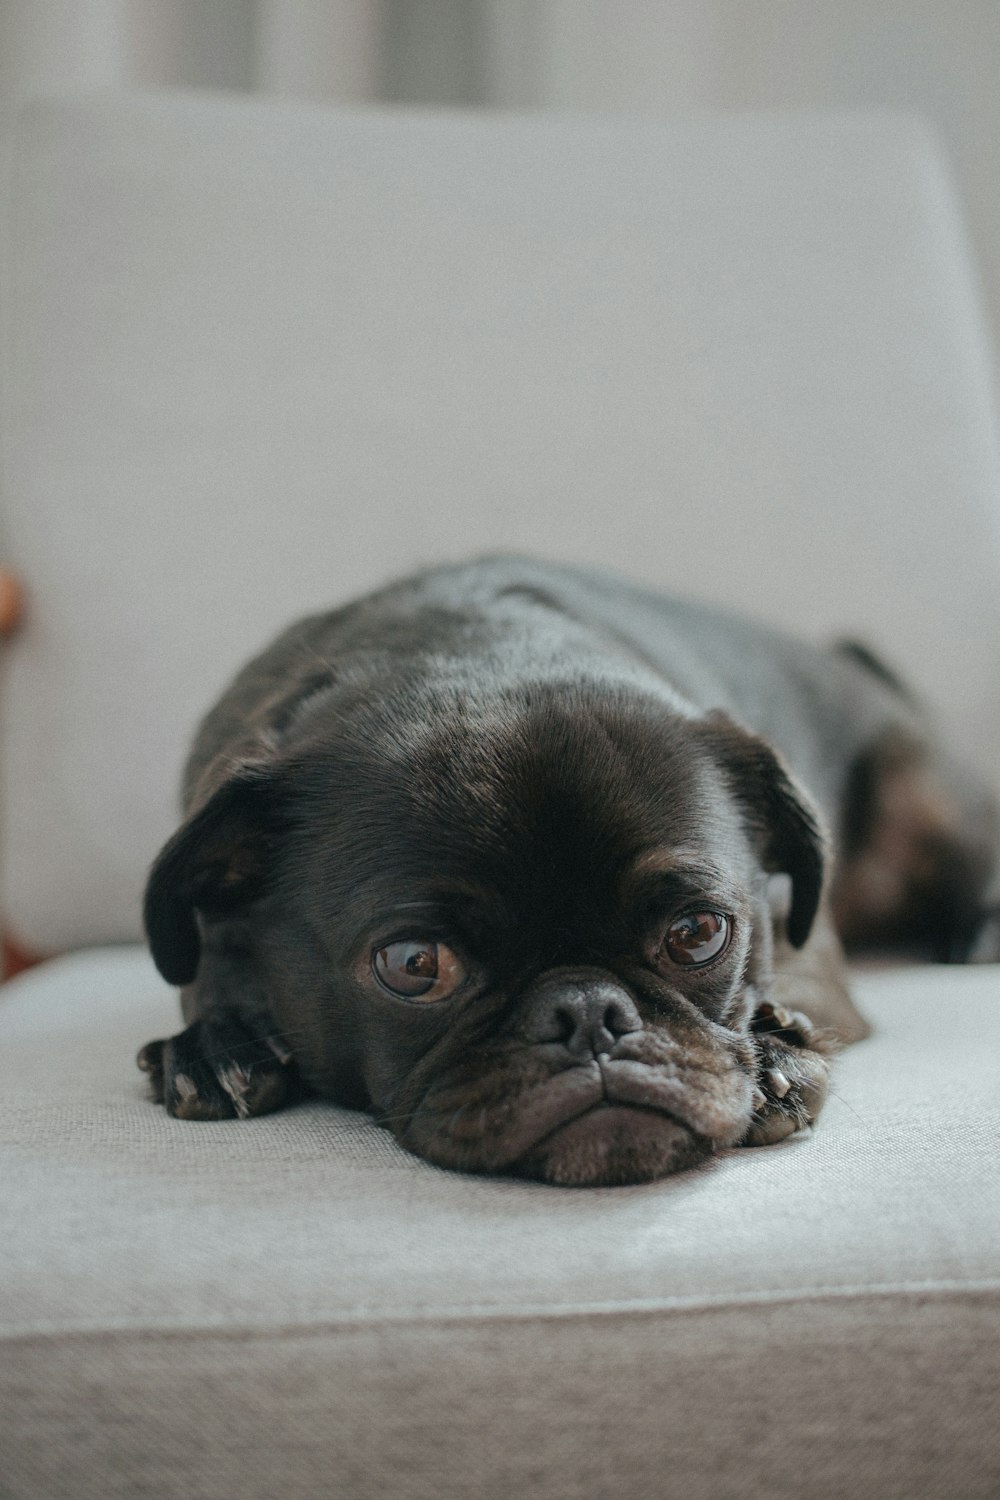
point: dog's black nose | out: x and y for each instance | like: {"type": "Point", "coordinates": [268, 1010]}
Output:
{"type": "Point", "coordinates": [586, 1014]}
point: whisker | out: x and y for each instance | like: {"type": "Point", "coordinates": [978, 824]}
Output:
{"type": "Point", "coordinates": [239, 1047]}
{"type": "Point", "coordinates": [839, 1096]}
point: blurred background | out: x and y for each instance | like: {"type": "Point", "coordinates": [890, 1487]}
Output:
{"type": "Point", "coordinates": [937, 58]}
{"type": "Point", "coordinates": [263, 356]}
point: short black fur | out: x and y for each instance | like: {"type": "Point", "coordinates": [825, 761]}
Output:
{"type": "Point", "coordinates": [537, 773]}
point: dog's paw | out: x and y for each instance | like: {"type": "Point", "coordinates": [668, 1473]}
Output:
{"type": "Point", "coordinates": [219, 1071]}
{"type": "Point", "coordinates": [793, 1074]}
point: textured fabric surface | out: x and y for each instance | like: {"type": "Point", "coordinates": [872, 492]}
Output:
{"type": "Point", "coordinates": [882, 1398]}
{"type": "Point", "coordinates": [266, 356]}
{"type": "Point", "coordinates": [294, 1304]}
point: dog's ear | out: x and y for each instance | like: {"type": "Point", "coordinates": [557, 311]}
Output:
{"type": "Point", "coordinates": [783, 822]}
{"type": "Point", "coordinates": [215, 863]}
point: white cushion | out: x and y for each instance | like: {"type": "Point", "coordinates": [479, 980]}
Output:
{"type": "Point", "coordinates": [293, 1305]}
{"type": "Point", "coordinates": [265, 356]}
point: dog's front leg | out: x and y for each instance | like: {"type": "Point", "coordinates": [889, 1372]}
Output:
{"type": "Point", "coordinates": [804, 1014]}
{"type": "Point", "coordinates": [218, 1071]}
{"type": "Point", "coordinates": [793, 1073]}
{"type": "Point", "coordinates": [230, 1062]}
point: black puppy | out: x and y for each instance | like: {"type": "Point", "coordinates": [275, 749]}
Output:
{"type": "Point", "coordinates": [531, 863]}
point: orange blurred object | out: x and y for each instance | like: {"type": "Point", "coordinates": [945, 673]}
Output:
{"type": "Point", "coordinates": [11, 601]}
{"type": "Point", "coordinates": [15, 958]}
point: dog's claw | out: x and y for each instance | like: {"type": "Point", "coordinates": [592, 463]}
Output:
{"type": "Point", "coordinates": [150, 1060]}
{"type": "Point", "coordinates": [185, 1086]}
{"type": "Point", "coordinates": [770, 1129]}
{"type": "Point", "coordinates": [777, 1082]}
{"type": "Point", "coordinates": [150, 1057]}
{"type": "Point", "coordinates": [791, 1025]}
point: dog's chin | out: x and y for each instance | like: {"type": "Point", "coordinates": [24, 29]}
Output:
{"type": "Point", "coordinates": [612, 1145]}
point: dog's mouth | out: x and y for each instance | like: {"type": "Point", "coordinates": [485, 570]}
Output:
{"type": "Point", "coordinates": [625, 1122]}
{"type": "Point", "coordinates": [610, 1145]}
{"type": "Point", "coordinates": [606, 1122]}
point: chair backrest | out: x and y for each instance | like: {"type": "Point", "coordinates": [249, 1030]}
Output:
{"type": "Point", "coordinates": [264, 356]}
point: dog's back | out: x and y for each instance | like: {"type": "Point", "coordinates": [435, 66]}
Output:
{"type": "Point", "coordinates": [785, 689]}
{"type": "Point", "coordinates": [914, 835]}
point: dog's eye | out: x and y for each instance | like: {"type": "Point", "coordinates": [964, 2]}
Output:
{"type": "Point", "coordinates": [696, 938]}
{"type": "Point", "coordinates": [417, 970]}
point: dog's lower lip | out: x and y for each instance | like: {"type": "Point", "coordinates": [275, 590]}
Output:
{"type": "Point", "coordinates": [590, 1094]}
{"type": "Point", "coordinates": [616, 1106]}
{"type": "Point", "coordinates": [612, 1144]}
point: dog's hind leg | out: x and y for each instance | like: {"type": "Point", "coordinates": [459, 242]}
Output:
{"type": "Point", "coordinates": [919, 865]}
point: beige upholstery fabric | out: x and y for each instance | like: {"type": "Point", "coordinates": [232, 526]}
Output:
{"type": "Point", "coordinates": [265, 356]}
{"type": "Point", "coordinates": [293, 1305]}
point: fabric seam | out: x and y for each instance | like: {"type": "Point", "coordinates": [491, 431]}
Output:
{"type": "Point", "coordinates": [361, 1318]}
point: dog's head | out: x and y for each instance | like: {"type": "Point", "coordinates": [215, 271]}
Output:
{"type": "Point", "coordinates": [526, 932]}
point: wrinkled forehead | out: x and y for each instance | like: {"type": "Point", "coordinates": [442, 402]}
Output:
{"type": "Point", "coordinates": [553, 816]}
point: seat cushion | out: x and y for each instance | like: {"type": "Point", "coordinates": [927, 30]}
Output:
{"type": "Point", "coordinates": [294, 1305]}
